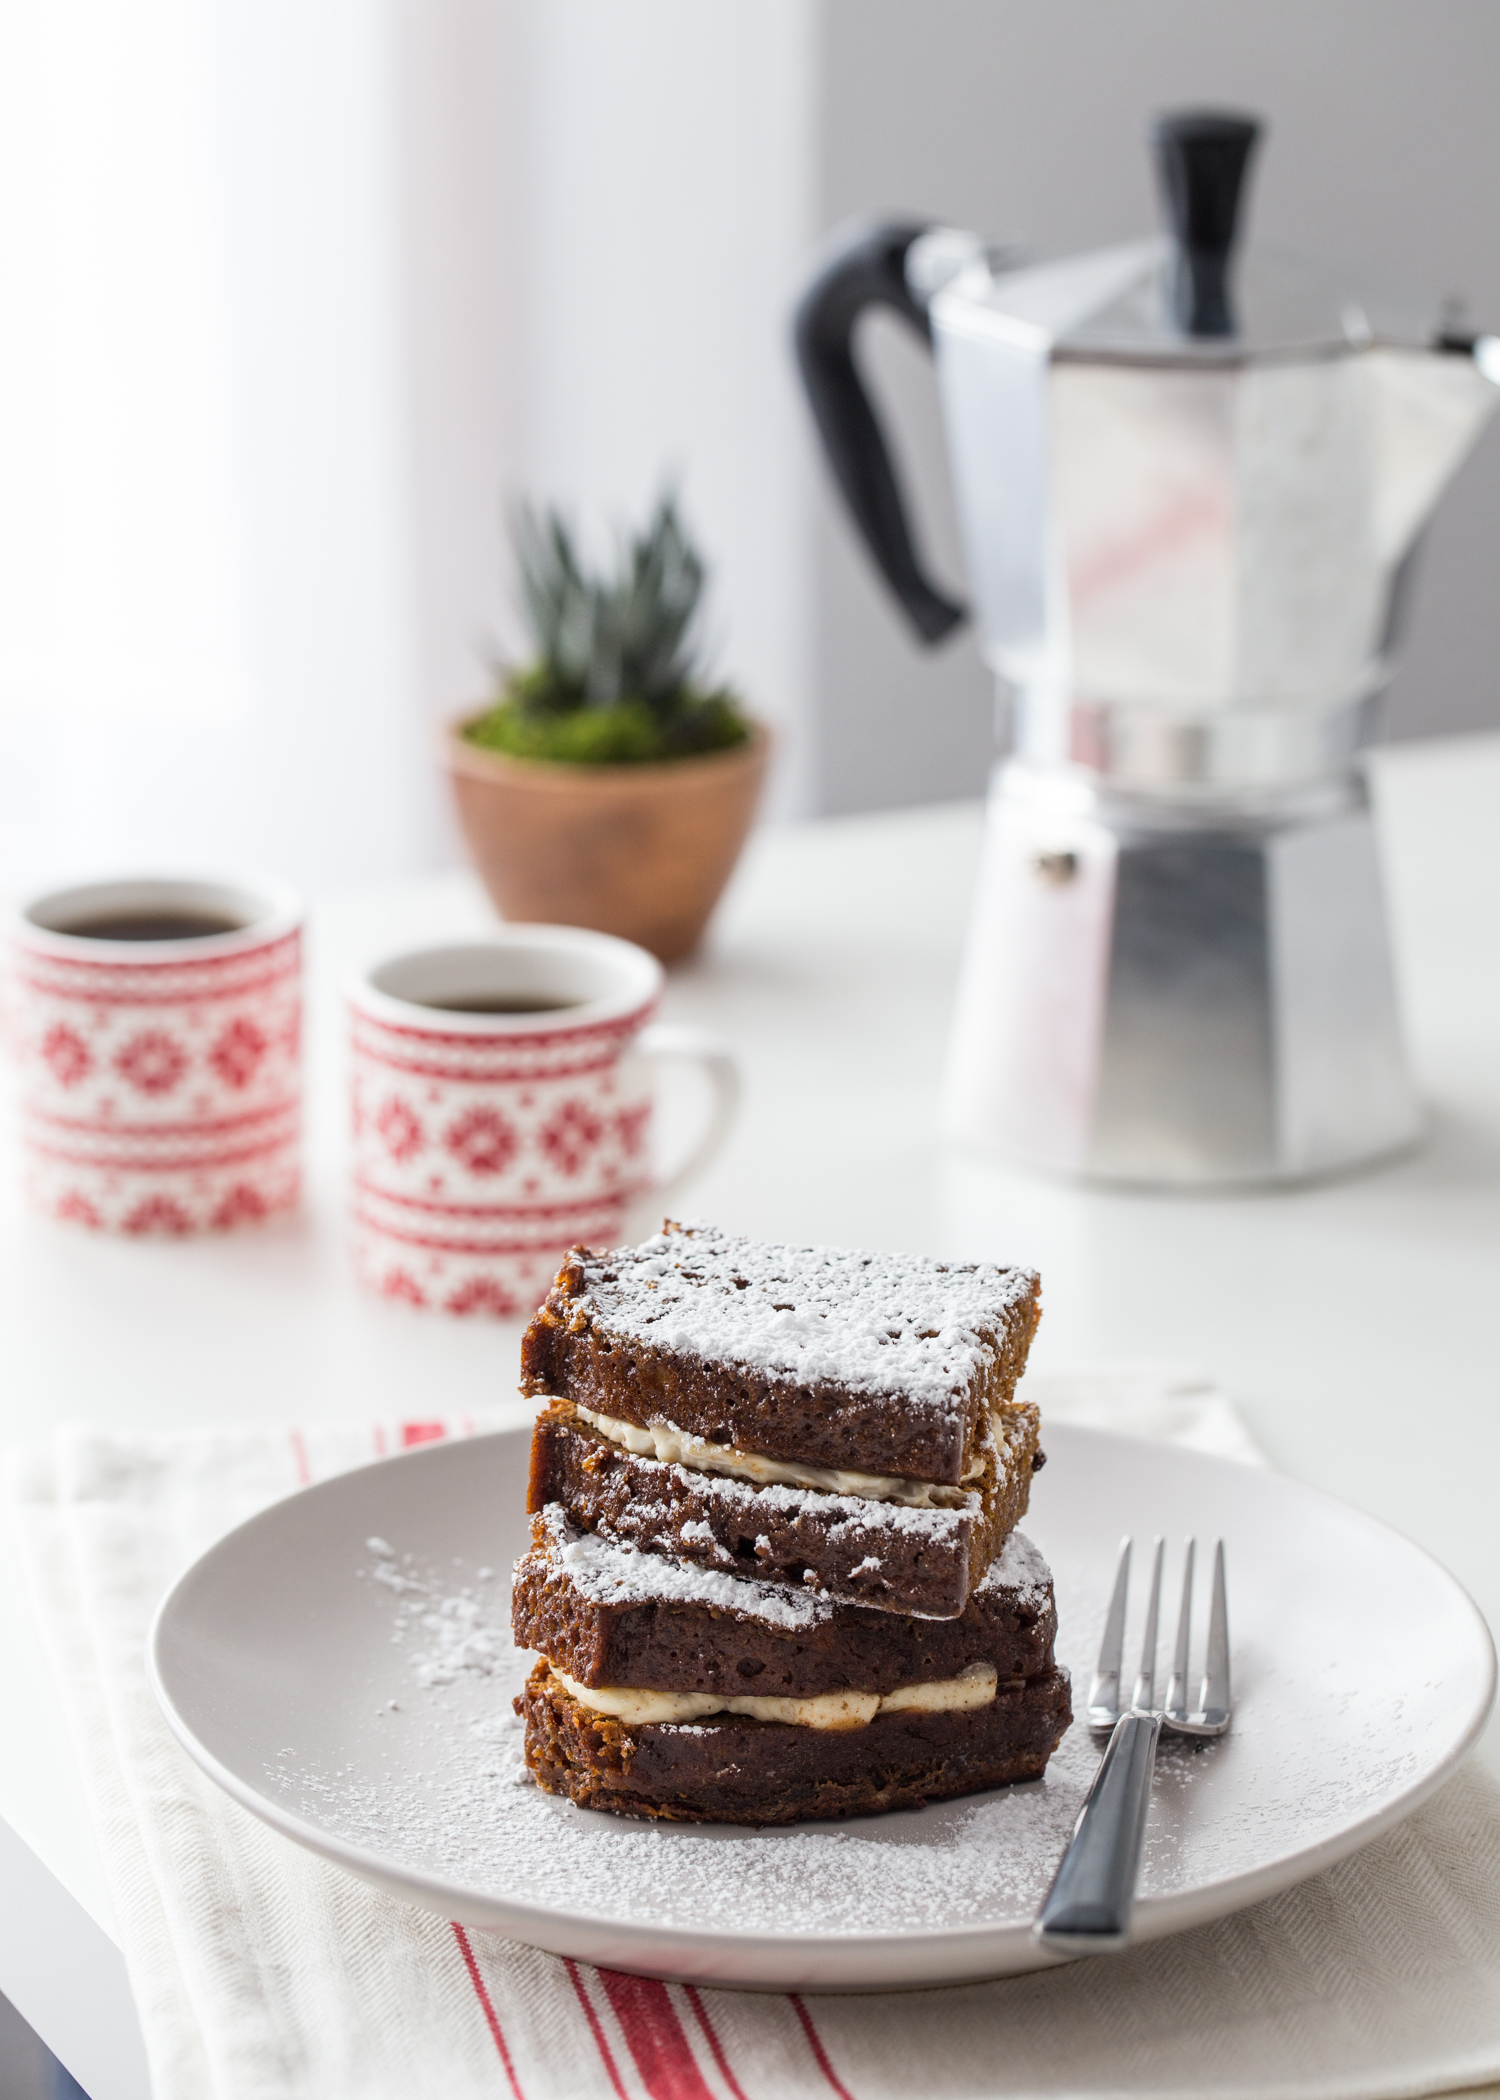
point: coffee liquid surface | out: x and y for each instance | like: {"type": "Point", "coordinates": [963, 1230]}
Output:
{"type": "Point", "coordinates": [153, 926]}
{"type": "Point", "coordinates": [498, 1003]}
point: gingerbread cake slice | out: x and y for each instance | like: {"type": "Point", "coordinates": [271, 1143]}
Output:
{"type": "Point", "coordinates": [676, 1692]}
{"type": "Point", "coordinates": [733, 1768]}
{"type": "Point", "coordinates": [880, 1368]}
{"type": "Point", "coordinates": [922, 1554]}
{"type": "Point", "coordinates": [647, 1638]}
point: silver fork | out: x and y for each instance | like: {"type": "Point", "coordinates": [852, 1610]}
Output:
{"type": "Point", "coordinates": [1088, 1908]}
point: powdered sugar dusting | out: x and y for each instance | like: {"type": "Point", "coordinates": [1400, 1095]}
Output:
{"type": "Point", "coordinates": [1018, 1566]}
{"type": "Point", "coordinates": [450, 1636]}
{"type": "Point", "coordinates": [745, 1498]}
{"type": "Point", "coordinates": [609, 1573]}
{"type": "Point", "coordinates": [899, 1325]}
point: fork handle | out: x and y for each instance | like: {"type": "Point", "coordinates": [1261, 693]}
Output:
{"type": "Point", "coordinates": [1087, 1909]}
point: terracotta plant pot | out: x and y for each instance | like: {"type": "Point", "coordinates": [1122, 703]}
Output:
{"type": "Point", "coordinates": [642, 851]}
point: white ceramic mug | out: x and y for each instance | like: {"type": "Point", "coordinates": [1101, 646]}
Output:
{"type": "Point", "coordinates": [502, 1103]}
{"type": "Point", "coordinates": [156, 1023]}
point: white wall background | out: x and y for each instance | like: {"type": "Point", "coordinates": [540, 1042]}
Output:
{"type": "Point", "coordinates": [609, 207]}
{"type": "Point", "coordinates": [206, 593]}
{"type": "Point", "coordinates": [455, 113]}
{"type": "Point", "coordinates": [296, 292]}
{"type": "Point", "coordinates": [664, 213]}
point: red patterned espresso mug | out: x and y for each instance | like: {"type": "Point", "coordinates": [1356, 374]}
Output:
{"type": "Point", "coordinates": [156, 1025]}
{"type": "Point", "coordinates": [502, 1096]}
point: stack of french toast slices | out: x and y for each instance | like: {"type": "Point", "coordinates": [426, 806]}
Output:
{"type": "Point", "coordinates": [775, 1574]}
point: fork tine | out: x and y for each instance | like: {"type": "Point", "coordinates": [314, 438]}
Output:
{"type": "Point", "coordinates": [1214, 1697]}
{"type": "Point", "coordinates": [1104, 1692]}
{"type": "Point", "coordinates": [1175, 1704]}
{"type": "Point", "coordinates": [1144, 1699]}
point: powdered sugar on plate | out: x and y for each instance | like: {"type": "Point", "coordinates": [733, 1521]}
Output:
{"type": "Point", "coordinates": [450, 1636]}
{"type": "Point", "coordinates": [382, 1725]}
{"type": "Point", "coordinates": [452, 1798]}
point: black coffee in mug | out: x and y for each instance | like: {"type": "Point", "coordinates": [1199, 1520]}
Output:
{"type": "Point", "coordinates": [179, 925]}
{"type": "Point", "coordinates": [499, 1003]}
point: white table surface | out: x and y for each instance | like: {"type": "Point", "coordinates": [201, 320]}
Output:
{"type": "Point", "coordinates": [1354, 1322]}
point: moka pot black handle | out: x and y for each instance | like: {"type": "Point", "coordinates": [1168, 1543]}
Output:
{"type": "Point", "coordinates": [868, 269]}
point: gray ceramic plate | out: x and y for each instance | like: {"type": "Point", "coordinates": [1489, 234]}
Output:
{"type": "Point", "coordinates": [340, 1665]}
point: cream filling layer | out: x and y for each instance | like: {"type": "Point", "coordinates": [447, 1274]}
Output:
{"type": "Point", "coordinates": [674, 1446]}
{"type": "Point", "coordinates": [974, 1686]}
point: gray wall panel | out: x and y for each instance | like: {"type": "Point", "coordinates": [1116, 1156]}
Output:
{"type": "Point", "coordinates": [1028, 122]}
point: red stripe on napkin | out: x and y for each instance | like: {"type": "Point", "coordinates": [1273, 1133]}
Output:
{"type": "Point", "coordinates": [421, 1433]}
{"type": "Point", "coordinates": [487, 2007]}
{"type": "Point", "coordinates": [594, 2028]}
{"type": "Point", "coordinates": [299, 1457]}
{"type": "Point", "coordinates": [721, 2060]}
{"type": "Point", "coordinates": [816, 2045]}
{"type": "Point", "coordinates": [653, 2034]}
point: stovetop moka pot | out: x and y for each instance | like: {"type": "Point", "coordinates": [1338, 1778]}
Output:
{"type": "Point", "coordinates": [1189, 484]}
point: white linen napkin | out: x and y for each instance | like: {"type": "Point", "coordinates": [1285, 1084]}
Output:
{"type": "Point", "coordinates": [262, 1973]}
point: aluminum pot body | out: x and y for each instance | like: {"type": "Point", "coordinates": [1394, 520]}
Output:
{"type": "Point", "coordinates": [1151, 998]}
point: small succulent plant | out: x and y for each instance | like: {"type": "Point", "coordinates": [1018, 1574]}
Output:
{"type": "Point", "coordinates": [616, 674]}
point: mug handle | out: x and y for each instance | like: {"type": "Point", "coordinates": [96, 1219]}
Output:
{"type": "Point", "coordinates": [666, 1040]}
